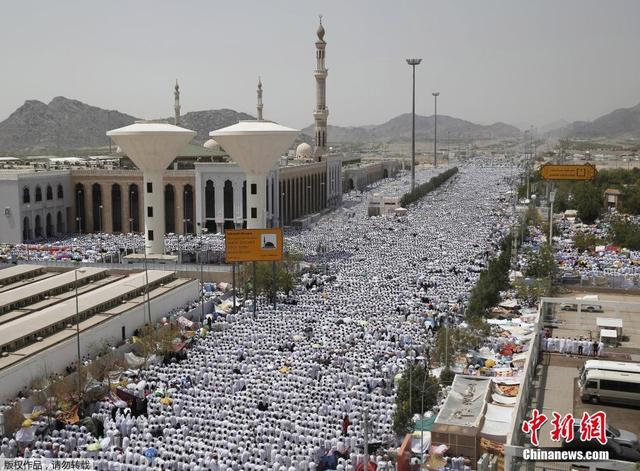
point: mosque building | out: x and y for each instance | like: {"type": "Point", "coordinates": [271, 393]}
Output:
{"type": "Point", "coordinates": [209, 192]}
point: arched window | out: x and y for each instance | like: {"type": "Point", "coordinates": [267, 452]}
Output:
{"type": "Point", "coordinates": [49, 193]}
{"type": "Point", "coordinates": [38, 194]}
{"type": "Point", "coordinates": [116, 208]}
{"type": "Point", "coordinates": [228, 205]}
{"type": "Point", "coordinates": [169, 208]}
{"type": "Point", "coordinates": [80, 209]}
{"type": "Point", "coordinates": [60, 192]}
{"type": "Point", "coordinates": [26, 195]}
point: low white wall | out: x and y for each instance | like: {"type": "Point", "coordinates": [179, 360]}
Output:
{"type": "Point", "coordinates": [56, 358]}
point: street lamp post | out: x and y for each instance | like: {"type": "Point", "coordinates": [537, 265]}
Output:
{"type": "Point", "coordinates": [435, 128]}
{"type": "Point", "coordinates": [552, 198]}
{"type": "Point", "coordinates": [146, 275]}
{"type": "Point", "coordinates": [79, 360]}
{"type": "Point", "coordinates": [203, 231]}
{"type": "Point", "coordinates": [413, 63]}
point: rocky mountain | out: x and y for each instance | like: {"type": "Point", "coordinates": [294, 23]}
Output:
{"type": "Point", "coordinates": [399, 129]}
{"type": "Point", "coordinates": [66, 125]}
{"type": "Point", "coordinates": [203, 122]}
{"type": "Point", "coordinates": [62, 124]}
{"type": "Point", "coordinates": [621, 123]}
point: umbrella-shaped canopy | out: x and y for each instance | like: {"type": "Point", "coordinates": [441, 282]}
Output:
{"type": "Point", "coordinates": [151, 452]}
{"type": "Point", "coordinates": [94, 447]}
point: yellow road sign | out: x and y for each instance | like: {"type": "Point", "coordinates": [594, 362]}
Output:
{"type": "Point", "coordinates": [253, 245]}
{"type": "Point", "coordinates": [568, 172]}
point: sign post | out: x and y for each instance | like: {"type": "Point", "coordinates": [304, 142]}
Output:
{"type": "Point", "coordinates": [254, 245]}
{"type": "Point", "coordinates": [568, 172]}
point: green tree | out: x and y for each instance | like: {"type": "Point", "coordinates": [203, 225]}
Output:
{"type": "Point", "coordinates": [588, 201]}
{"type": "Point", "coordinates": [584, 241]}
{"type": "Point", "coordinates": [631, 199]}
{"type": "Point", "coordinates": [541, 264]}
{"type": "Point", "coordinates": [416, 383]}
{"type": "Point", "coordinates": [285, 274]}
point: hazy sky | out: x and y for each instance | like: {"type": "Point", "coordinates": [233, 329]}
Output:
{"type": "Point", "coordinates": [517, 61]}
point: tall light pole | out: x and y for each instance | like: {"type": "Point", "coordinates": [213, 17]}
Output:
{"type": "Point", "coordinates": [552, 198]}
{"type": "Point", "coordinates": [435, 128]}
{"type": "Point", "coordinates": [78, 335]}
{"type": "Point", "coordinates": [413, 63]}
{"type": "Point", "coordinates": [203, 231]}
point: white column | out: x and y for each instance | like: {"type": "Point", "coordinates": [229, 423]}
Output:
{"type": "Point", "coordinates": [200, 214]}
{"type": "Point", "coordinates": [218, 189]}
{"type": "Point", "coordinates": [237, 201]}
{"type": "Point", "coordinates": [256, 202]}
{"type": "Point", "coordinates": [155, 223]}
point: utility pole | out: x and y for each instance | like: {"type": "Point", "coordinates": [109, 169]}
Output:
{"type": "Point", "coordinates": [552, 198]}
{"type": "Point", "coordinates": [435, 129]}
{"type": "Point", "coordinates": [366, 440]}
{"type": "Point", "coordinates": [413, 63]}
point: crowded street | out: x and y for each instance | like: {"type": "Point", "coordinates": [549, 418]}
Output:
{"type": "Point", "coordinates": [275, 392]}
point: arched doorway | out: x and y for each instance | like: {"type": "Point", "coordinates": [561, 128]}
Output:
{"type": "Point", "coordinates": [210, 206]}
{"type": "Point", "coordinates": [96, 199]}
{"type": "Point", "coordinates": [38, 227]}
{"type": "Point", "coordinates": [26, 229]}
{"type": "Point", "coordinates": [80, 216]}
{"type": "Point", "coordinates": [134, 208]}
{"type": "Point", "coordinates": [169, 209]}
{"type": "Point", "coordinates": [116, 208]}
{"type": "Point", "coordinates": [59, 223]}
{"type": "Point", "coordinates": [48, 227]}
{"type": "Point", "coordinates": [188, 209]}
{"type": "Point", "coordinates": [350, 185]}
{"type": "Point", "coordinates": [228, 205]}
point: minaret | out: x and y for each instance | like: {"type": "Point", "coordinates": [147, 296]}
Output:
{"type": "Point", "coordinates": [176, 106]}
{"type": "Point", "coordinates": [259, 107]}
{"type": "Point", "coordinates": [321, 112]}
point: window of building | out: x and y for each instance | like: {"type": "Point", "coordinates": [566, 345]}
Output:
{"type": "Point", "coordinates": [149, 211]}
{"type": "Point", "coordinates": [149, 187]}
{"type": "Point", "coordinates": [38, 193]}
{"type": "Point", "coordinates": [26, 195]}
{"type": "Point", "coordinates": [60, 192]}
{"type": "Point", "coordinates": [150, 235]}
{"type": "Point", "coordinates": [49, 193]}
{"type": "Point", "coordinates": [254, 189]}
{"type": "Point", "coordinates": [254, 213]}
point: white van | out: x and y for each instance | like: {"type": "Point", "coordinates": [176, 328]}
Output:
{"type": "Point", "coordinates": [611, 386]}
{"type": "Point", "coordinates": [607, 365]}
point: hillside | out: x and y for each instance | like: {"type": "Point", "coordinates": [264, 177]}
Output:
{"type": "Point", "coordinates": [399, 129]}
{"type": "Point", "coordinates": [61, 124]}
{"type": "Point", "coordinates": [621, 123]}
{"type": "Point", "coordinates": [65, 124]}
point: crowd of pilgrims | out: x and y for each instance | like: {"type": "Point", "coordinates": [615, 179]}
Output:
{"type": "Point", "coordinates": [99, 247]}
{"type": "Point", "coordinates": [597, 261]}
{"type": "Point", "coordinates": [286, 390]}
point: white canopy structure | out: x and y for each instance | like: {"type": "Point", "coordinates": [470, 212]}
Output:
{"type": "Point", "coordinates": [152, 146]}
{"type": "Point", "coordinates": [256, 146]}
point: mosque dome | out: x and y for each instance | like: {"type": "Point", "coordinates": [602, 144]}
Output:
{"type": "Point", "coordinates": [303, 151]}
{"type": "Point", "coordinates": [212, 144]}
